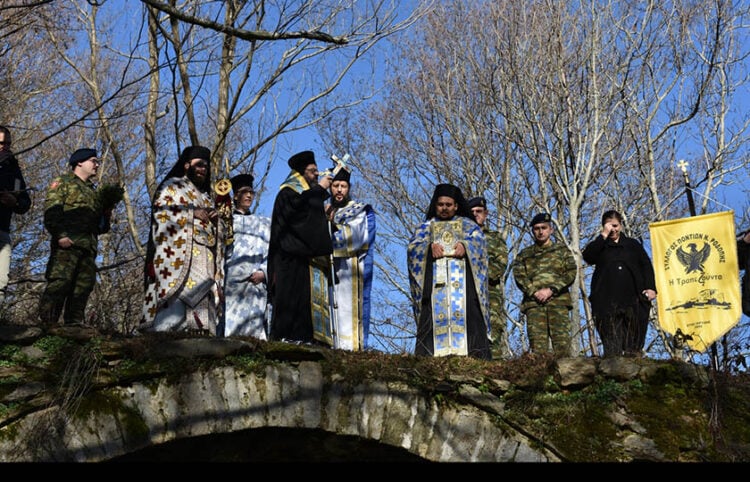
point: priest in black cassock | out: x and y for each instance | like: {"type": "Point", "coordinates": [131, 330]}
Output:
{"type": "Point", "coordinates": [299, 256]}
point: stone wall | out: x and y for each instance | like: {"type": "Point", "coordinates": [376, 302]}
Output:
{"type": "Point", "coordinates": [78, 395]}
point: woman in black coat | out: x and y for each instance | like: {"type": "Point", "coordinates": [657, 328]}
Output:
{"type": "Point", "coordinates": [622, 288]}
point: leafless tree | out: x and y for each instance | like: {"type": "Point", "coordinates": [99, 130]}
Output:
{"type": "Point", "coordinates": [549, 106]}
{"type": "Point", "coordinates": [140, 81]}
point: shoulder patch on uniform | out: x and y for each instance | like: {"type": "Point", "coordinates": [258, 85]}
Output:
{"type": "Point", "coordinates": [54, 184]}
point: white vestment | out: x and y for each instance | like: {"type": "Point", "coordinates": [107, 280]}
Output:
{"type": "Point", "coordinates": [247, 310]}
{"type": "Point", "coordinates": [353, 267]}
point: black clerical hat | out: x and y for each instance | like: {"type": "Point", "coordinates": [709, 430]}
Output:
{"type": "Point", "coordinates": [301, 160]}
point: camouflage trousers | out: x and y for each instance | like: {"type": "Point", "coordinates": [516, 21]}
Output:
{"type": "Point", "coordinates": [71, 276]}
{"type": "Point", "coordinates": [499, 342]}
{"type": "Point", "coordinates": [549, 323]}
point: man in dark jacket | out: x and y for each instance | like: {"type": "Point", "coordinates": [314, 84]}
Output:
{"type": "Point", "coordinates": [622, 288]}
{"type": "Point", "coordinates": [14, 198]}
{"type": "Point", "coordinates": [743, 257]}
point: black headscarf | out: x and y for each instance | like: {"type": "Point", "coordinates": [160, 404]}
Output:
{"type": "Point", "coordinates": [454, 193]}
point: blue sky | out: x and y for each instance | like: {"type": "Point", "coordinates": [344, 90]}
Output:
{"type": "Point", "coordinates": [732, 197]}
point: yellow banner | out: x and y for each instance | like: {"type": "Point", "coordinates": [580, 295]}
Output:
{"type": "Point", "coordinates": [697, 277]}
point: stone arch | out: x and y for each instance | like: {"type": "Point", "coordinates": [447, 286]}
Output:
{"type": "Point", "coordinates": [113, 422]}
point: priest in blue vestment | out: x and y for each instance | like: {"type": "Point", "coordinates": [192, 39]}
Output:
{"type": "Point", "coordinates": [353, 232]}
{"type": "Point", "coordinates": [447, 258]}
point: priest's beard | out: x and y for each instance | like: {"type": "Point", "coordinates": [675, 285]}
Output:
{"type": "Point", "coordinates": [200, 180]}
{"type": "Point", "coordinates": [342, 203]}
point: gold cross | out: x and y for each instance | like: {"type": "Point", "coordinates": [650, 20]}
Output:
{"type": "Point", "coordinates": [683, 164]}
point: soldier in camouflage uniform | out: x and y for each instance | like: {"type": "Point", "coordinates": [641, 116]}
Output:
{"type": "Point", "coordinates": [497, 252]}
{"type": "Point", "coordinates": [544, 273]}
{"type": "Point", "coordinates": [74, 218]}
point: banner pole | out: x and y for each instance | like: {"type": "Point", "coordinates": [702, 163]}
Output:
{"type": "Point", "coordinates": [691, 204]}
{"type": "Point", "coordinates": [688, 190]}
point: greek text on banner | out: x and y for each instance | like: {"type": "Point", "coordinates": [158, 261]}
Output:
{"type": "Point", "coordinates": [697, 277]}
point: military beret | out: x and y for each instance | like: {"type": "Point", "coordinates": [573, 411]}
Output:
{"type": "Point", "coordinates": [540, 218]}
{"type": "Point", "coordinates": [81, 155]}
{"type": "Point", "coordinates": [301, 160]}
{"type": "Point", "coordinates": [242, 180]}
{"type": "Point", "coordinates": [477, 202]}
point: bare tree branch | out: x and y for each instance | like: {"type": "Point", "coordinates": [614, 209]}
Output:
{"type": "Point", "coordinates": [240, 33]}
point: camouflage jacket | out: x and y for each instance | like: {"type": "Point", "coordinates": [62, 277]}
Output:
{"type": "Point", "coordinates": [552, 266]}
{"type": "Point", "coordinates": [72, 209]}
{"type": "Point", "coordinates": [497, 252]}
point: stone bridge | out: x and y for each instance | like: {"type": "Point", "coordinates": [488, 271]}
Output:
{"type": "Point", "coordinates": [78, 395]}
